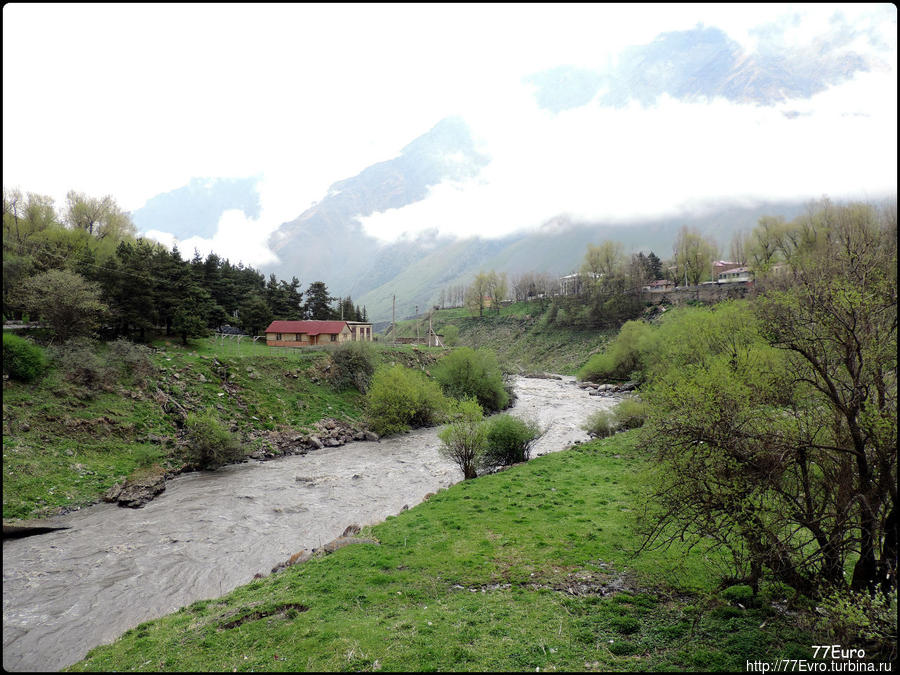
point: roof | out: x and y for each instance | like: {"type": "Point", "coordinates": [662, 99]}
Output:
{"type": "Point", "coordinates": [736, 270]}
{"type": "Point", "coordinates": [308, 327]}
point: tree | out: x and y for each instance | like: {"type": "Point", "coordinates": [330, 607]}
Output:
{"type": "Point", "coordinates": [477, 293]}
{"type": "Point", "coordinates": [318, 303]}
{"type": "Point", "coordinates": [835, 316]}
{"type": "Point", "coordinates": [693, 256]}
{"type": "Point", "coordinates": [254, 315]}
{"type": "Point", "coordinates": [69, 304]}
{"type": "Point", "coordinates": [604, 259]}
{"type": "Point", "coordinates": [98, 216]}
{"type": "Point", "coordinates": [190, 317]}
{"type": "Point", "coordinates": [775, 423]}
{"type": "Point", "coordinates": [655, 266]}
{"type": "Point", "coordinates": [464, 440]}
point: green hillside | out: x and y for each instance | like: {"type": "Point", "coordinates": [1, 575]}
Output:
{"type": "Point", "coordinates": [519, 335]}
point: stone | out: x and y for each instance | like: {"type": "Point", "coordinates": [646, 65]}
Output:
{"type": "Point", "coordinates": [315, 442]}
{"type": "Point", "coordinates": [341, 542]}
{"type": "Point", "coordinates": [350, 530]}
{"type": "Point", "coordinates": [371, 436]}
{"type": "Point", "coordinates": [333, 443]}
{"type": "Point", "coordinates": [136, 493]}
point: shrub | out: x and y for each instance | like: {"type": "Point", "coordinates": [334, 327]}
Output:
{"type": "Point", "coordinates": [464, 440]}
{"type": "Point", "coordinates": [451, 335]}
{"type": "Point", "coordinates": [132, 360]}
{"type": "Point", "coordinates": [847, 617]}
{"type": "Point", "coordinates": [601, 424]}
{"type": "Point", "coordinates": [509, 440]}
{"type": "Point", "coordinates": [79, 363]}
{"type": "Point", "coordinates": [466, 372]}
{"type": "Point", "coordinates": [630, 413]}
{"type": "Point", "coordinates": [22, 360]}
{"type": "Point", "coordinates": [353, 366]}
{"type": "Point", "coordinates": [209, 444]}
{"type": "Point", "coordinates": [400, 398]}
{"type": "Point", "coordinates": [622, 356]}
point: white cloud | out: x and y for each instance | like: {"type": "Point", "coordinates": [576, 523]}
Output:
{"type": "Point", "coordinates": [134, 100]}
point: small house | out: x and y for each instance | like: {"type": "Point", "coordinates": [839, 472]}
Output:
{"type": "Point", "coordinates": [660, 285]}
{"type": "Point", "coordinates": [735, 274]}
{"type": "Point", "coordinates": [310, 333]}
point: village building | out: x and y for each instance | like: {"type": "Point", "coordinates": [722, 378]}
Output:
{"type": "Point", "coordinates": [720, 266]}
{"type": "Point", "coordinates": [310, 333]}
{"type": "Point", "coordinates": [660, 285]}
{"type": "Point", "coordinates": [735, 274]}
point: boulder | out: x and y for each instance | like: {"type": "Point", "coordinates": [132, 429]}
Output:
{"type": "Point", "coordinates": [350, 530]}
{"type": "Point", "coordinates": [315, 442]}
{"type": "Point", "coordinates": [136, 493]}
{"type": "Point", "coordinates": [371, 436]}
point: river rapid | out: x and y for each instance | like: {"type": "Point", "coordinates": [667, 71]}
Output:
{"type": "Point", "coordinates": [68, 591]}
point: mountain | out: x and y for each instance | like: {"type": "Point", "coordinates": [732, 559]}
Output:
{"type": "Point", "coordinates": [195, 209]}
{"type": "Point", "coordinates": [701, 63]}
{"type": "Point", "coordinates": [327, 241]}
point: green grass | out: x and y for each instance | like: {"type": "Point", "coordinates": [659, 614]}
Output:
{"type": "Point", "coordinates": [478, 578]}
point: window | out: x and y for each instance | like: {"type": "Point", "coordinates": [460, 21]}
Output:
{"type": "Point", "coordinates": [333, 338]}
{"type": "Point", "coordinates": [278, 336]}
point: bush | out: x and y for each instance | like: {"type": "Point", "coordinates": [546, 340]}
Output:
{"type": "Point", "coordinates": [79, 363]}
{"type": "Point", "coordinates": [132, 360]}
{"type": "Point", "coordinates": [464, 440]}
{"type": "Point", "coordinates": [848, 617]}
{"type": "Point", "coordinates": [630, 413]}
{"type": "Point", "coordinates": [353, 366]}
{"type": "Point", "coordinates": [400, 398]}
{"type": "Point", "coordinates": [22, 360]}
{"type": "Point", "coordinates": [465, 372]}
{"type": "Point", "coordinates": [622, 356]}
{"type": "Point", "coordinates": [451, 335]}
{"type": "Point", "coordinates": [601, 424]}
{"type": "Point", "coordinates": [209, 444]}
{"type": "Point", "coordinates": [509, 440]}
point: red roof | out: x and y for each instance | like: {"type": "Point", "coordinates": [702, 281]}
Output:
{"type": "Point", "coordinates": [308, 327]}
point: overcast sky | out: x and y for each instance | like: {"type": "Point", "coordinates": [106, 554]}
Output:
{"type": "Point", "coordinates": [135, 100]}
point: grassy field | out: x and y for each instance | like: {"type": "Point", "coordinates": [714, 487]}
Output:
{"type": "Point", "coordinates": [530, 568]}
{"type": "Point", "coordinates": [64, 445]}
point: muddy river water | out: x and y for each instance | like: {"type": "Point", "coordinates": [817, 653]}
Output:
{"type": "Point", "coordinates": [70, 590]}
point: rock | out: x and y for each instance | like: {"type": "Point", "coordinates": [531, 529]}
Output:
{"type": "Point", "coordinates": [69, 453]}
{"type": "Point", "coordinates": [605, 387]}
{"type": "Point", "coordinates": [201, 378]}
{"type": "Point", "coordinates": [596, 393]}
{"type": "Point", "coordinates": [329, 424]}
{"type": "Point", "coordinates": [359, 436]}
{"type": "Point", "coordinates": [405, 507]}
{"type": "Point", "coordinates": [350, 530]}
{"type": "Point", "coordinates": [341, 542]}
{"type": "Point", "coordinates": [428, 496]}
{"type": "Point", "coordinates": [136, 493]}
{"type": "Point", "coordinates": [628, 386]}
{"type": "Point", "coordinates": [315, 442]}
{"type": "Point", "coordinates": [333, 443]}
{"type": "Point", "coordinates": [371, 436]}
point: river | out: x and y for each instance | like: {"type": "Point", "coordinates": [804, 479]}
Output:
{"type": "Point", "coordinates": [68, 591]}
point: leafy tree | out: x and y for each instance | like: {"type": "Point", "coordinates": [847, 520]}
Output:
{"type": "Point", "coordinates": [775, 423]}
{"type": "Point", "coordinates": [604, 259]}
{"type": "Point", "coordinates": [69, 304]}
{"type": "Point", "coordinates": [693, 256]}
{"type": "Point", "coordinates": [463, 441]}
{"type": "Point", "coordinates": [98, 216]}
{"type": "Point", "coordinates": [466, 372]}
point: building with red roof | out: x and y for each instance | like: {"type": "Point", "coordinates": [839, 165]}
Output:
{"type": "Point", "coordinates": [309, 333]}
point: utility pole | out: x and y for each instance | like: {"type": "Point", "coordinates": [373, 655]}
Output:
{"type": "Point", "coordinates": [417, 324]}
{"type": "Point", "coordinates": [430, 331]}
{"type": "Point", "coordinates": [394, 319]}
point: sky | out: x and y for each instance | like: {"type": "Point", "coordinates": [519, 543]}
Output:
{"type": "Point", "coordinates": [135, 100]}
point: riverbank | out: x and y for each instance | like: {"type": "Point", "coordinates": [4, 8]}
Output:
{"type": "Point", "coordinates": [529, 568]}
{"type": "Point", "coordinates": [65, 444]}
{"type": "Point", "coordinates": [209, 532]}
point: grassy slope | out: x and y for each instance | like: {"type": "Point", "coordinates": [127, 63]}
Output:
{"type": "Point", "coordinates": [476, 579]}
{"type": "Point", "coordinates": [64, 446]}
{"type": "Point", "coordinates": [519, 337]}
